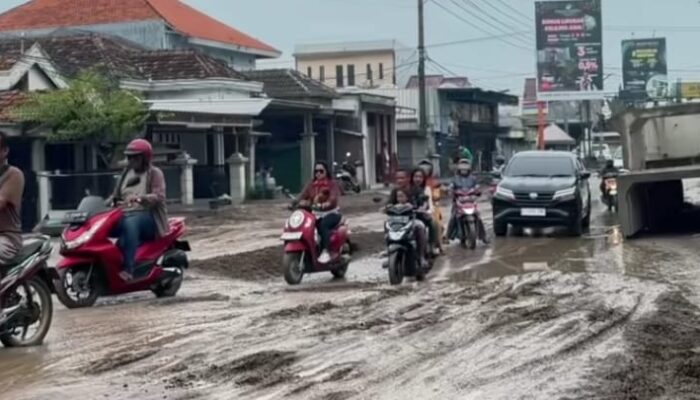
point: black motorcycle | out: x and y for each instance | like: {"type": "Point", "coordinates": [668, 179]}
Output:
{"type": "Point", "coordinates": [402, 245]}
{"type": "Point", "coordinates": [27, 308]}
{"type": "Point", "coordinates": [346, 176]}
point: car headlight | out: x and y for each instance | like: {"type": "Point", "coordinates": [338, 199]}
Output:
{"type": "Point", "coordinates": [86, 236]}
{"type": "Point", "coordinates": [296, 219]}
{"type": "Point", "coordinates": [560, 194]}
{"type": "Point", "coordinates": [503, 192]}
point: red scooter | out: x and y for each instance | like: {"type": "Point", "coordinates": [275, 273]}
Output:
{"type": "Point", "coordinates": [301, 247]}
{"type": "Point", "coordinates": [467, 216]}
{"type": "Point", "coordinates": [91, 261]}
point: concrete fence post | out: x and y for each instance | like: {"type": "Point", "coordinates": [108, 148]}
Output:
{"type": "Point", "coordinates": [44, 182]}
{"type": "Point", "coordinates": [237, 177]}
{"type": "Point", "coordinates": [186, 163]}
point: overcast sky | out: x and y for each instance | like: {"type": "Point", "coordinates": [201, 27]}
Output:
{"type": "Point", "coordinates": [493, 64]}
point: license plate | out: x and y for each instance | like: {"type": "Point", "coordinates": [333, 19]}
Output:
{"type": "Point", "coordinates": [75, 217]}
{"type": "Point", "coordinates": [291, 236]}
{"type": "Point", "coordinates": [533, 212]}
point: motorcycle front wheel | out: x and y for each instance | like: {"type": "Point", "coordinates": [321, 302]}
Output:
{"type": "Point", "coordinates": [396, 267]}
{"type": "Point", "coordinates": [293, 268]}
{"type": "Point", "coordinates": [32, 321]}
{"type": "Point", "coordinates": [77, 288]}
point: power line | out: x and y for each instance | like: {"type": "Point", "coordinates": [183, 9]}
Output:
{"type": "Point", "coordinates": [502, 39]}
{"type": "Point", "coordinates": [489, 16]}
{"type": "Point", "coordinates": [477, 39]}
{"type": "Point", "coordinates": [510, 16]}
{"type": "Point", "coordinates": [515, 10]}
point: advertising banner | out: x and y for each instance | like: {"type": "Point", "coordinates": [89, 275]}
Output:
{"type": "Point", "coordinates": [690, 90]}
{"type": "Point", "coordinates": [569, 50]}
{"type": "Point", "coordinates": [644, 68]}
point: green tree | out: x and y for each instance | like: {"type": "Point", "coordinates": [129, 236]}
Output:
{"type": "Point", "coordinates": [92, 109]}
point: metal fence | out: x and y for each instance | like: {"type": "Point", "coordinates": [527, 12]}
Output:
{"type": "Point", "coordinates": [68, 189]}
{"type": "Point", "coordinates": [211, 181]}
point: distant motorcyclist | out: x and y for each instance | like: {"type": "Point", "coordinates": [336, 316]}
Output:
{"type": "Point", "coordinates": [435, 187]}
{"type": "Point", "coordinates": [423, 198]}
{"type": "Point", "coordinates": [140, 191]}
{"type": "Point", "coordinates": [402, 183]}
{"type": "Point", "coordinates": [323, 193]}
{"type": "Point", "coordinates": [609, 170]}
{"type": "Point", "coordinates": [499, 164]}
{"type": "Point", "coordinates": [464, 180]}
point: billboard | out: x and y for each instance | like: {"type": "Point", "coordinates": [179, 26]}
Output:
{"type": "Point", "coordinates": [690, 90]}
{"type": "Point", "coordinates": [569, 50]}
{"type": "Point", "coordinates": [644, 68]}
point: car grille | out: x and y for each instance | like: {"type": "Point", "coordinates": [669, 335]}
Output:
{"type": "Point", "coordinates": [542, 198]}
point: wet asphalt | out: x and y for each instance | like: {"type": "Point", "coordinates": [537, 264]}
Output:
{"type": "Point", "coordinates": [542, 315]}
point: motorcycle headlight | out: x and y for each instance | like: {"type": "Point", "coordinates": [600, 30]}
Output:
{"type": "Point", "coordinates": [560, 194]}
{"type": "Point", "coordinates": [86, 236]}
{"type": "Point", "coordinates": [296, 219]}
{"type": "Point", "coordinates": [506, 193]}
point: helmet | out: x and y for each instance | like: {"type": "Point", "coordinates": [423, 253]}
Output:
{"type": "Point", "coordinates": [464, 165]}
{"type": "Point", "coordinates": [140, 146]}
{"type": "Point", "coordinates": [609, 163]}
{"type": "Point", "coordinates": [500, 159]}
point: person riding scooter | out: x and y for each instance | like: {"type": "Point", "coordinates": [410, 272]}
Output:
{"type": "Point", "coordinates": [403, 184]}
{"type": "Point", "coordinates": [608, 170]}
{"type": "Point", "coordinates": [11, 189]}
{"type": "Point", "coordinates": [499, 164]}
{"type": "Point", "coordinates": [323, 193]}
{"type": "Point", "coordinates": [463, 180]}
{"type": "Point", "coordinates": [436, 195]}
{"type": "Point", "coordinates": [140, 192]}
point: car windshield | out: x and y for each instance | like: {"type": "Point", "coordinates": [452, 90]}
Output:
{"type": "Point", "coordinates": [541, 167]}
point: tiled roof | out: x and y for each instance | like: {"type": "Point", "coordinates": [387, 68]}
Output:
{"type": "Point", "coordinates": [290, 84]}
{"type": "Point", "coordinates": [38, 14]}
{"type": "Point", "coordinates": [72, 54]}
{"type": "Point", "coordinates": [8, 100]}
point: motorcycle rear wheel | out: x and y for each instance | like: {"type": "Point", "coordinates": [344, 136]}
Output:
{"type": "Point", "coordinates": [86, 297]}
{"type": "Point", "coordinates": [45, 315]}
{"type": "Point", "coordinates": [171, 288]}
{"type": "Point", "coordinates": [293, 268]}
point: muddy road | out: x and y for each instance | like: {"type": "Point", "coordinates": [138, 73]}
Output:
{"type": "Point", "coordinates": [541, 316]}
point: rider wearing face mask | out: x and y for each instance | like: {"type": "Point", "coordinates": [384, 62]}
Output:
{"type": "Point", "coordinates": [140, 192]}
{"type": "Point", "coordinates": [464, 180]}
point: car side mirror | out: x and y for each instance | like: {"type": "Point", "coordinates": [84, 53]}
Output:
{"type": "Point", "coordinates": [585, 175]}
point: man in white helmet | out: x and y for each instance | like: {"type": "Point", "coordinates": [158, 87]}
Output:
{"type": "Point", "coordinates": [464, 180]}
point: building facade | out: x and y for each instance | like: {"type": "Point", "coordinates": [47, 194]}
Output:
{"type": "Point", "coordinates": [370, 64]}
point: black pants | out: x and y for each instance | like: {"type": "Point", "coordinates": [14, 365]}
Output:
{"type": "Point", "coordinates": [325, 227]}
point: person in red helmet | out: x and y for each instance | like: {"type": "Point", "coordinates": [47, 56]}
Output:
{"type": "Point", "coordinates": [140, 192]}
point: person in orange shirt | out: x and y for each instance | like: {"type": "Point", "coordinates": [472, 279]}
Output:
{"type": "Point", "coordinates": [436, 191]}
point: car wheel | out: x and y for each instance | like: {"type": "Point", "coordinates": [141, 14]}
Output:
{"type": "Point", "coordinates": [587, 220]}
{"type": "Point", "coordinates": [500, 229]}
{"type": "Point", "coordinates": [576, 227]}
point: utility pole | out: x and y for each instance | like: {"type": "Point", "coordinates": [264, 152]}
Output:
{"type": "Point", "coordinates": [422, 103]}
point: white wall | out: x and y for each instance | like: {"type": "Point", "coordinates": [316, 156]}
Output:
{"type": "Point", "coordinates": [359, 60]}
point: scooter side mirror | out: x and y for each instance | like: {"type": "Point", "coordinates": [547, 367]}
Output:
{"type": "Point", "coordinates": [378, 200]}
{"type": "Point", "coordinates": [497, 174]}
